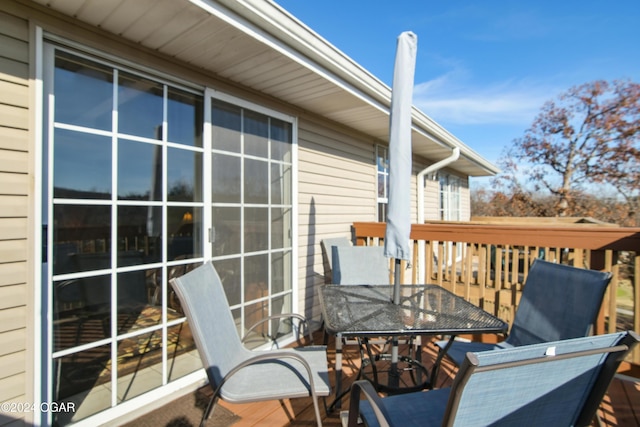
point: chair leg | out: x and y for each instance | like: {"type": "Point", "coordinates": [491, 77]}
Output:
{"type": "Point", "coordinates": [290, 415]}
{"type": "Point", "coordinates": [208, 410]}
{"type": "Point", "coordinates": [325, 334]}
{"type": "Point", "coordinates": [598, 420]}
{"type": "Point", "coordinates": [316, 408]}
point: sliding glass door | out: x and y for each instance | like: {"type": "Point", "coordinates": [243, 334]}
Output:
{"type": "Point", "coordinates": [144, 179]}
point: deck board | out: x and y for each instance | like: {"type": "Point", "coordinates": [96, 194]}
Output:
{"type": "Point", "coordinates": [621, 406]}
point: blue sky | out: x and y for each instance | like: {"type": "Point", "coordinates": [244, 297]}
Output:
{"type": "Point", "coordinates": [485, 68]}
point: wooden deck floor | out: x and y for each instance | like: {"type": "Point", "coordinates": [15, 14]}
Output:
{"type": "Point", "coordinates": [621, 406]}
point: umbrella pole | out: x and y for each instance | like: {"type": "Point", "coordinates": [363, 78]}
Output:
{"type": "Point", "coordinates": [394, 377]}
{"type": "Point", "coordinates": [396, 281]}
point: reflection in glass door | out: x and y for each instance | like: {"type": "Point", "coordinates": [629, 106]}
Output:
{"type": "Point", "coordinates": [123, 212]}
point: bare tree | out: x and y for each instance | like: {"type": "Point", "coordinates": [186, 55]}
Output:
{"type": "Point", "coordinates": [589, 135]}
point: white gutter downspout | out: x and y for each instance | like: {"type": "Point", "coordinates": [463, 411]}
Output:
{"type": "Point", "coordinates": [455, 154]}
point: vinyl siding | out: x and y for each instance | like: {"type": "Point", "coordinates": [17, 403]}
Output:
{"type": "Point", "coordinates": [465, 199]}
{"type": "Point", "coordinates": [14, 189]}
{"type": "Point", "coordinates": [431, 201]}
{"type": "Point", "coordinates": [336, 186]}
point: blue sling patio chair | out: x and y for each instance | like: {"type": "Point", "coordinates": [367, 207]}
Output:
{"type": "Point", "coordinates": [558, 302]}
{"type": "Point", "coordinates": [236, 374]}
{"type": "Point", "coordinates": [560, 383]}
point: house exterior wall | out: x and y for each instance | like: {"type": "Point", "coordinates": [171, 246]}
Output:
{"type": "Point", "coordinates": [431, 205]}
{"type": "Point", "coordinates": [336, 184]}
{"type": "Point", "coordinates": [14, 209]}
{"type": "Point", "coordinates": [465, 199]}
{"type": "Point", "coordinates": [337, 187]}
{"type": "Point", "coordinates": [432, 201]}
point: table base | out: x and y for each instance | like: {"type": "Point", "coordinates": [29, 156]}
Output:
{"type": "Point", "coordinates": [406, 366]}
{"type": "Point", "coordinates": [410, 374]}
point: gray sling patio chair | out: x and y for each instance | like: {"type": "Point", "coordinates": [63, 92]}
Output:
{"type": "Point", "coordinates": [558, 302]}
{"type": "Point", "coordinates": [359, 265]}
{"type": "Point", "coordinates": [326, 245]}
{"type": "Point", "coordinates": [367, 265]}
{"type": "Point", "coordinates": [236, 374]}
{"type": "Point", "coordinates": [550, 384]}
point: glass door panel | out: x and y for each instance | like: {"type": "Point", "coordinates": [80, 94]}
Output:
{"type": "Point", "coordinates": [251, 213]}
{"type": "Point", "coordinates": [83, 92]}
{"type": "Point", "coordinates": [123, 213]}
{"type": "Point", "coordinates": [82, 165]}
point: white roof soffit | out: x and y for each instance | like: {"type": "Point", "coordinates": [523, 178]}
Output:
{"type": "Point", "coordinates": [259, 45]}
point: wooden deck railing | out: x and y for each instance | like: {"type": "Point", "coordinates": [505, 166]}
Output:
{"type": "Point", "coordinates": [487, 264]}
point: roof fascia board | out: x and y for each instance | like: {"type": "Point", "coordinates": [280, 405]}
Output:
{"type": "Point", "coordinates": [287, 27]}
{"type": "Point", "coordinates": [296, 33]}
{"type": "Point", "coordinates": [316, 61]}
{"type": "Point", "coordinates": [277, 28]}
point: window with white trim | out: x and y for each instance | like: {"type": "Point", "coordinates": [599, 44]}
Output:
{"type": "Point", "coordinates": [449, 198]}
{"type": "Point", "coordinates": [382, 176]}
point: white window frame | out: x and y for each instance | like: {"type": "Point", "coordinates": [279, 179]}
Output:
{"type": "Point", "coordinates": [449, 198]}
{"type": "Point", "coordinates": [449, 209]}
{"type": "Point", "coordinates": [382, 152]}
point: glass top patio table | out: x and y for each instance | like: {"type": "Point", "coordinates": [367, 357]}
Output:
{"type": "Point", "coordinates": [365, 311]}
{"type": "Point", "coordinates": [368, 310]}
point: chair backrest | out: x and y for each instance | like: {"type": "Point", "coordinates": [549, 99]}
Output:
{"type": "Point", "coordinates": [558, 383]}
{"type": "Point", "coordinates": [558, 302]}
{"type": "Point", "coordinates": [360, 265]}
{"type": "Point", "coordinates": [214, 331]}
{"type": "Point", "coordinates": [326, 245]}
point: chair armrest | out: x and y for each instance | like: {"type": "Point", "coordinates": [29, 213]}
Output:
{"type": "Point", "coordinates": [301, 318]}
{"type": "Point", "coordinates": [372, 396]}
{"type": "Point", "coordinates": [275, 357]}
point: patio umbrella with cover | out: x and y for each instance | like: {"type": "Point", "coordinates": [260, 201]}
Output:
{"type": "Point", "coordinates": [396, 240]}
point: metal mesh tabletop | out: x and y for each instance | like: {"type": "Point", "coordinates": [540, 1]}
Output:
{"type": "Point", "coordinates": [361, 310]}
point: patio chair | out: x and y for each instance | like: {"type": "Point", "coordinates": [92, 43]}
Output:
{"type": "Point", "coordinates": [558, 302]}
{"type": "Point", "coordinates": [551, 384]}
{"type": "Point", "coordinates": [236, 374]}
{"type": "Point", "coordinates": [326, 245]}
{"type": "Point", "coordinates": [360, 265]}
{"type": "Point", "coordinates": [357, 265]}
{"type": "Point", "coordinates": [367, 265]}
